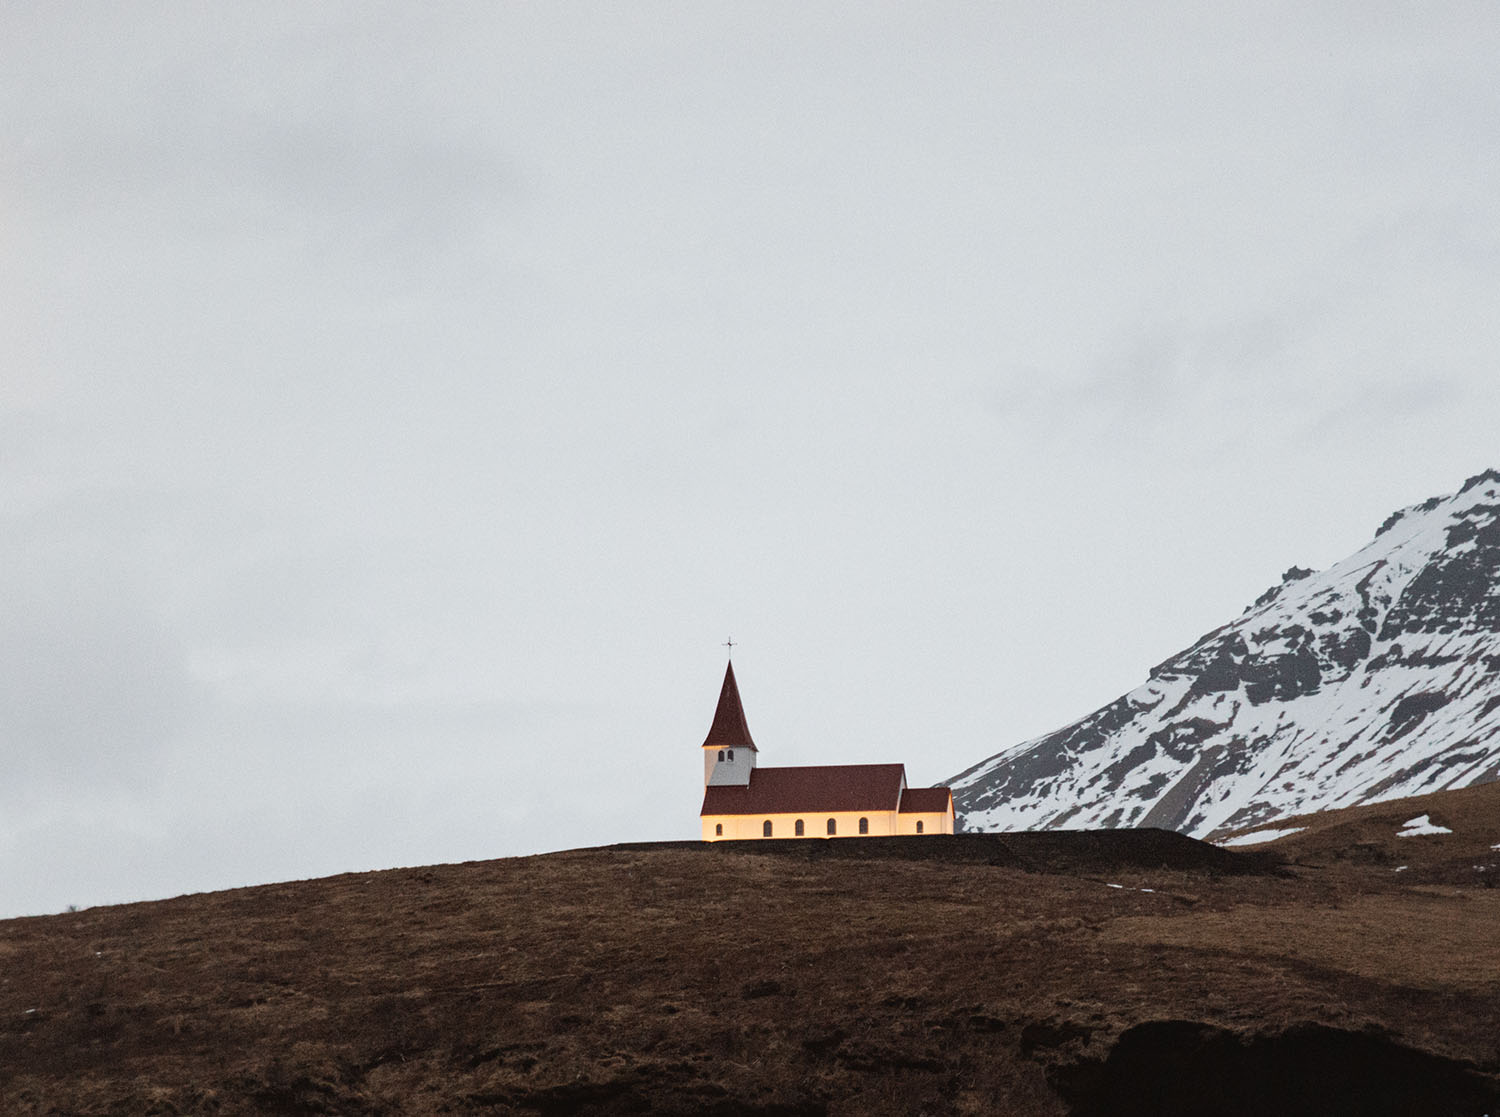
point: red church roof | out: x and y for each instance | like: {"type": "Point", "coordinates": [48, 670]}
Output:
{"type": "Point", "coordinates": [815, 789]}
{"type": "Point", "coordinates": [926, 800]}
{"type": "Point", "coordinates": [729, 730]}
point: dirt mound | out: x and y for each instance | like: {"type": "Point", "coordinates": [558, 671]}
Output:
{"type": "Point", "coordinates": [1098, 851]}
{"type": "Point", "coordinates": [1178, 1068]}
{"type": "Point", "coordinates": [1045, 851]}
{"type": "Point", "coordinates": [980, 849]}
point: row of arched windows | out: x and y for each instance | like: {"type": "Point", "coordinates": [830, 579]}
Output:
{"type": "Point", "coordinates": [800, 830]}
{"type": "Point", "coordinates": [833, 828]}
{"type": "Point", "coordinates": [723, 751]}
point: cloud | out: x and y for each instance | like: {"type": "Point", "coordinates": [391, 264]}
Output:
{"type": "Point", "coordinates": [1366, 407]}
{"type": "Point", "coordinates": [316, 147]}
{"type": "Point", "coordinates": [93, 687]}
{"type": "Point", "coordinates": [315, 187]}
{"type": "Point", "coordinates": [1159, 371]}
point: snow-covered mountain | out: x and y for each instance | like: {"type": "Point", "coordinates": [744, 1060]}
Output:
{"type": "Point", "coordinates": [1375, 679]}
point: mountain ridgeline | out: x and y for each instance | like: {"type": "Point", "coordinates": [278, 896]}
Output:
{"type": "Point", "coordinates": [1375, 679]}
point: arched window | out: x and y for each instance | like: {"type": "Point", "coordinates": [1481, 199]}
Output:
{"type": "Point", "coordinates": [731, 754]}
{"type": "Point", "coordinates": [864, 826]}
{"type": "Point", "coordinates": [799, 828]}
{"type": "Point", "coordinates": [721, 754]}
{"type": "Point", "coordinates": [833, 827]}
{"type": "Point", "coordinates": [765, 828]}
{"type": "Point", "coordinates": [718, 829]}
{"type": "Point", "coordinates": [919, 826]}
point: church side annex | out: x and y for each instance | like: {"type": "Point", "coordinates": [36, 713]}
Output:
{"type": "Point", "coordinates": [743, 801]}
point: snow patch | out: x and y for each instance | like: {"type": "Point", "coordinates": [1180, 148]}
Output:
{"type": "Point", "coordinates": [1416, 827]}
{"type": "Point", "coordinates": [1258, 836]}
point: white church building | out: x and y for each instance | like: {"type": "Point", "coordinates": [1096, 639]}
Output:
{"type": "Point", "coordinates": [744, 801]}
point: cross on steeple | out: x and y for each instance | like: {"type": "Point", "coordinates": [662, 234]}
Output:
{"type": "Point", "coordinates": [730, 645]}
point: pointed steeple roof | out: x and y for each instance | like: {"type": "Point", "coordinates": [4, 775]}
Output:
{"type": "Point", "coordinates": [729, 729]}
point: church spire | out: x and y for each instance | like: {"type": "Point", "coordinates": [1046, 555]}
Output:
{"type": "Point", "coordinates": [729, 729]}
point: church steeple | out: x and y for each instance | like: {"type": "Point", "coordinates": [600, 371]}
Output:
{"type": "Point", "coordinates": [729, 730]}
{"type": "Point", "coordinates": [728, 751]}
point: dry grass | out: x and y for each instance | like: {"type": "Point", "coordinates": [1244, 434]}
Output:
{"type": "Point", "coordinates": [1418, 939]}
{"type": "Point", "coordinates": [1371, 835]}
{"type": "Point", "coordinates": [705, 980]}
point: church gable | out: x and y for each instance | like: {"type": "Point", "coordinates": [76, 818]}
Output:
{"type": "Point", "coordinates": [926, 800]}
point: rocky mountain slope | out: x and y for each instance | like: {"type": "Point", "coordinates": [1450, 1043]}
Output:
{"type": "Point", "coordinates": [1375, 679]}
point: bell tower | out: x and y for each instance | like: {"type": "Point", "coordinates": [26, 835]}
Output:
{"type": "Point", "coordinates": [728, 751]}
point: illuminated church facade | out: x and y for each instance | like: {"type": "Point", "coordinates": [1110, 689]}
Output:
{"type": "Point", "coordinates": [743, 801]}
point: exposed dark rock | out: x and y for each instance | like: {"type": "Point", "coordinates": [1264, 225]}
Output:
{"type": "Point", "coordinates": [1410, 711]}
{"type": "Point", "coordinates": [1283, 677]}
{"type": "Point", "coordinates": [1346, 649]}
{"type": "Point", "coordinates": [1173, 1068]}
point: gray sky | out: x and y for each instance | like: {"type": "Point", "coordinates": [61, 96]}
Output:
{"type": "Point", "coordinates": [399, 406]}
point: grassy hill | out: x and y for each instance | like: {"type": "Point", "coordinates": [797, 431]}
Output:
{"type": "Point", "coordinates": [1093, 973]}
{"type": "Point", "coordinates": [1377, 835]}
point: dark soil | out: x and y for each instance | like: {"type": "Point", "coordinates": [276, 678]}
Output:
{"type": "Point", "coordinates": [1088, 973]}
{"type": "Point", "coordinates": [1176, 1068]}
{"type": "Point", "coordinates": [1048, 851]}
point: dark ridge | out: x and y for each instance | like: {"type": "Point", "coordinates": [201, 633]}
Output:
{"type": "Point", "coordinates": [1092, 851]}
{"type": "Point", "coordinates": [1292, 574]}
{"type": "Point", "coordinates": [1174, 1068]}
{"type": "Point", "coordinates": [1266, 598]}
{"type": "Point", "coordinates": [981, 848]}
{"type": "Point", "coordinates": [1426, 506]}
{"type": "Point", "coordinates": [1479, 479]}
{"type": "Point", "coordinates": [1043, 851]}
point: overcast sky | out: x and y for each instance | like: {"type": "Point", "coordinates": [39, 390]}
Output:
{"type": "Point", "coordinates": [400, 405]}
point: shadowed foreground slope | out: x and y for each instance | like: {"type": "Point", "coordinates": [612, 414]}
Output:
{"type": "Point", "coordinates": [831, 978]}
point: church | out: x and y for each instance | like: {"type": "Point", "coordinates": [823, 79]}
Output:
{"type": "Point", "coordinates": [743, 801]}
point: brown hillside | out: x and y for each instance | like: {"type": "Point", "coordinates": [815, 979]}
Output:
{"type": "Point", "coordinates": [1027, 974]}
{"type": "Point", "coordinates": [1372, 835]}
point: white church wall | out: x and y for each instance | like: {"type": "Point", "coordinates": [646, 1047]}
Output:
{"type": "Point", "coordinates": [733, 771]}
{"type": "Point", "coordinates": [750, 827]}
